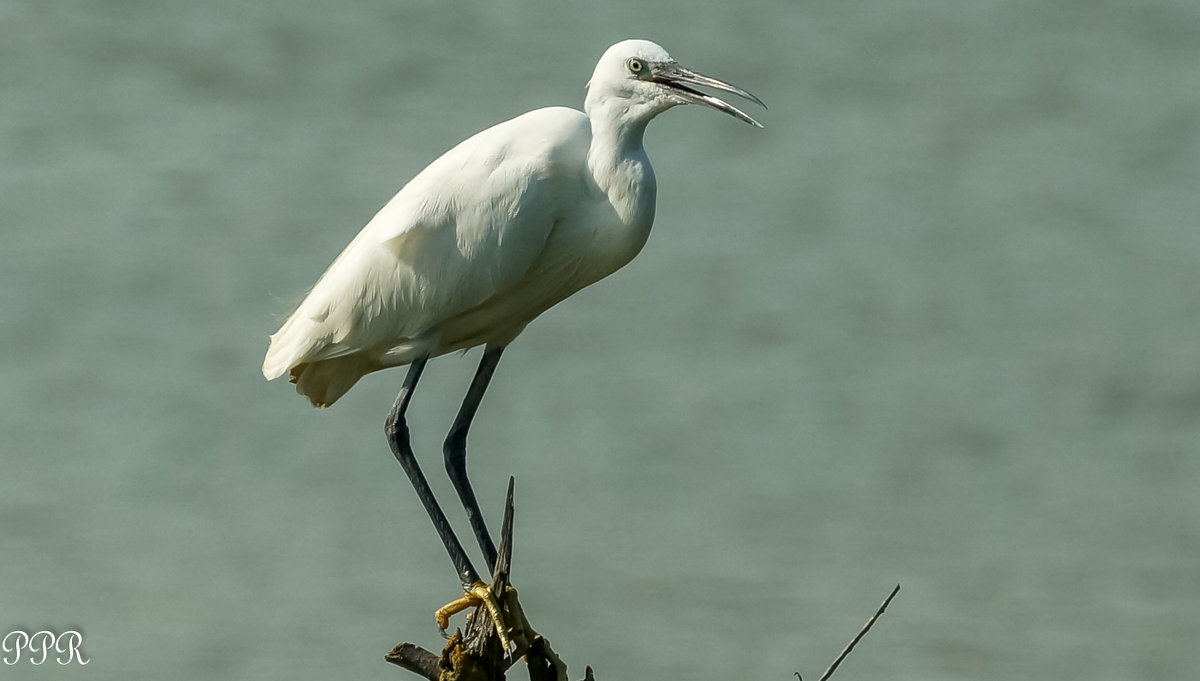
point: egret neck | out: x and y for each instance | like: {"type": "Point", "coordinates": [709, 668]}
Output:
{"type": "Point", "coordinates": [619, 165]}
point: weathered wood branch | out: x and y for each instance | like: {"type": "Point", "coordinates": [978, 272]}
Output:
{"type": "Point", "coordinates": [477, 654]}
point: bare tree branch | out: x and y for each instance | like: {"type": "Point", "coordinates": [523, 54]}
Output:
{"type": "Point", "coordinates": [866, 627]}
{"type": "Point", "coordinates": [476, 654]}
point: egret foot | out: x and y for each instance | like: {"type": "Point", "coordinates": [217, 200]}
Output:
{"type": "Point", "coordinates": [479, 594]}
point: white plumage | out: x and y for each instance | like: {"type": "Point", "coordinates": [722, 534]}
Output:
{"type": "Point", "coordinates": [494, 232]}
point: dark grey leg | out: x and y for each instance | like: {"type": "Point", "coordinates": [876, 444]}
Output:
{"type": "Point", "coordinates": [397, 436]}
{"type": "Point", "coordinates": [455, 451]}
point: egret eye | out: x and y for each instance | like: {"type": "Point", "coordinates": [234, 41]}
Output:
{"type": "Point", "coordinates": [636, 65]}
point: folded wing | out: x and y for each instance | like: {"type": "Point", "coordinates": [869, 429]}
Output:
{"type": "Point", "coordinates": [465, 229]}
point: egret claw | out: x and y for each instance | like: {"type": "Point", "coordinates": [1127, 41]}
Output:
{"type": "Point", "coordinates": [484, 593]}
{"type": "Point", "coordinates": [478, 594]}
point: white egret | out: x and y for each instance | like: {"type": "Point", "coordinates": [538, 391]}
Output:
{"type": "Point", "coordinates": [486, 238]}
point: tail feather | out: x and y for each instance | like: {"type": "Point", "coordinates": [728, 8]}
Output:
{"type": "Point", "coordinates": [321, 372]}
{"type": "Point", "coordinates": [288, 349]}
{"type": "Point", "coordinates": [325, 381]}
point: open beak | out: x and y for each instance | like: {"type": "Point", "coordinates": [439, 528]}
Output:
{"type": "Point", "coordinates": [681, 82]}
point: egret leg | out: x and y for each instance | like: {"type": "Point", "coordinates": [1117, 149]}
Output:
{"type": "Point", "coordinates": [476, 592]}
{"type": "Point", "coordinates": [396, 429]}
{"type": "Point", "coordinates": [455, 451]}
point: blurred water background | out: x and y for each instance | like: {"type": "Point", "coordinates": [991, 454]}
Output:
{"type": "Point", "coordinates": [936, 324]}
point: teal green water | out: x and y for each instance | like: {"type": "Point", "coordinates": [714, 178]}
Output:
{"type": "Point", "coordinates": [936, 324]}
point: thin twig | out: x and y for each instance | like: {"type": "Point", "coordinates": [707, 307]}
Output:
{"type": "Point", "coordinates": [867, 627]}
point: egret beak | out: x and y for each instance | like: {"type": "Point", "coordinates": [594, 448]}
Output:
{"type": "Point", "coordinates": [679, 81]}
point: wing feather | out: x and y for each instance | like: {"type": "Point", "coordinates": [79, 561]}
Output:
{"type": "Point", "coordinates": [465, 229]}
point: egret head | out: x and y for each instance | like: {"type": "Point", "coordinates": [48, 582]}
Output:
{"type": "Point", "coordinates": [645, 81]}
